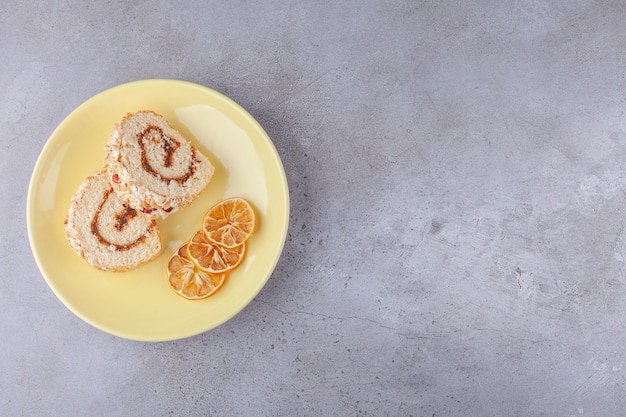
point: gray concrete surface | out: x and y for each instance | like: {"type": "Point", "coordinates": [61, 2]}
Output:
{"type": "Point", "coordinates": [457, 244]}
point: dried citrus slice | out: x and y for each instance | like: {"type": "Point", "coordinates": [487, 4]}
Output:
{"type": "Point", "coordinates": [229, 223]}
{"type": "Point", "coordinates": [211, 257]}
{"type": "Point", "coordinates": [187, 280]}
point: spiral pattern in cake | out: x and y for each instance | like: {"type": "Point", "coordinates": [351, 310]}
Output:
{"type": "Point", "coordinates": [153, 167]}
{"type": "Point", "coordinates": [107, 232]}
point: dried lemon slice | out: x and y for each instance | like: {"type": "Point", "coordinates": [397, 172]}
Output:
{"type": "Point", "coordinates": [211, 257]}
{"type": "Point", "coordinates": [189, 281]}
{"type": "Point", "coordinates": [229, 223]}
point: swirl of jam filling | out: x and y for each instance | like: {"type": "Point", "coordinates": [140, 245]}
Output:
{"type": "Point", "coordinates": [121, 221]}
{"type": "Point", "coordinates": [170, 146]}
{"type": "Point", "coordinates": [122, 218]}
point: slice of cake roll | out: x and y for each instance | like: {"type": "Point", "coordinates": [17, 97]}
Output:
{"type": "Point", "coordinates": [106, 231]}
{"type": "Point", "coordinates": [153, 167]}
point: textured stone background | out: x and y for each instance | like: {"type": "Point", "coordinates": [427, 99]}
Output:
{"type": "Point", "coordinates": [457, 244]}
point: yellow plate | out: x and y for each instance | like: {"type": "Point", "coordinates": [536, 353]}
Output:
{"type": "Point", "coordinates": [139, 304]}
